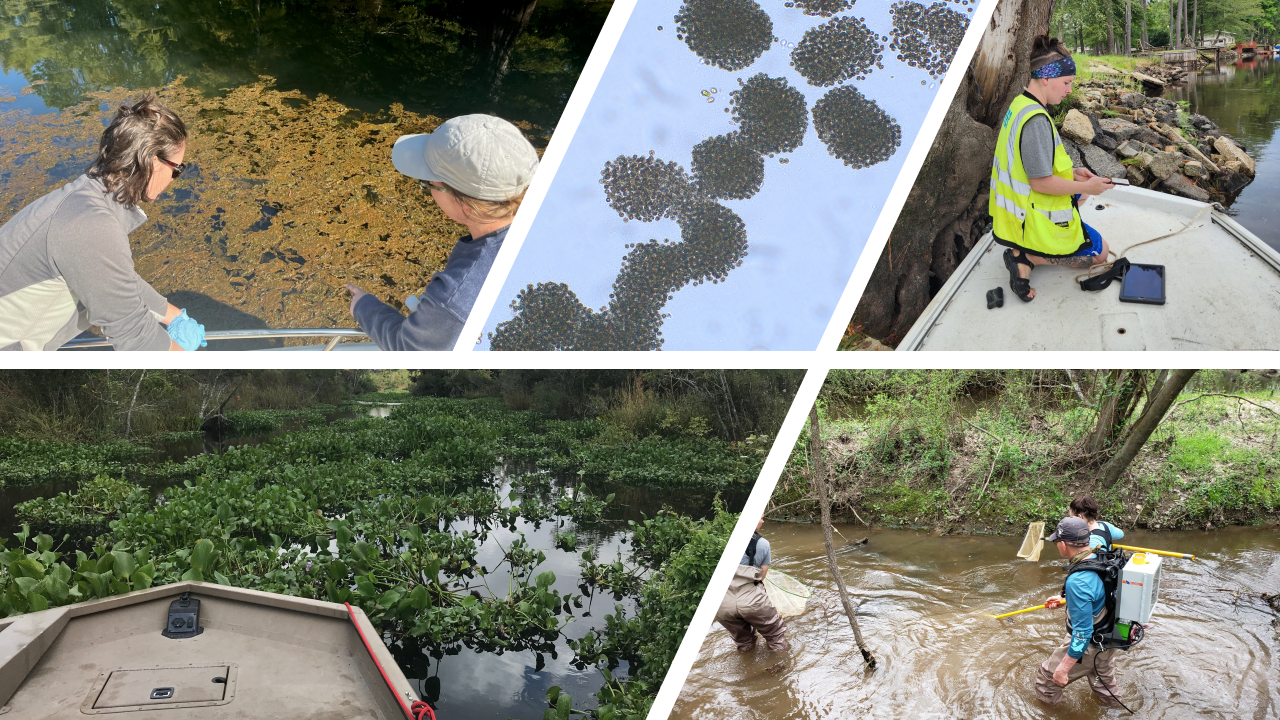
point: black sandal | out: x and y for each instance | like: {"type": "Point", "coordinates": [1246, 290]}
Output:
{"type": "Point", "coordinates": [1021, 286]}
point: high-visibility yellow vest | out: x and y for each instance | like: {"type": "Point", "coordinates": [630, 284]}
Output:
{"type": "Point", "coordinates": [1046, 224]}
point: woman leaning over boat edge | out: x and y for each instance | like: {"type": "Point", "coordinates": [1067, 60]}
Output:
{"type": "Point", "coordinates": [65, 261]}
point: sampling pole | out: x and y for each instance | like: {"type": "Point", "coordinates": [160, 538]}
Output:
{"type": "Point", "coordinates": [819, 476]}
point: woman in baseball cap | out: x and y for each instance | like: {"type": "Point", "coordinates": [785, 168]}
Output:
{"type": "Point", "coordinates": [476, 168]}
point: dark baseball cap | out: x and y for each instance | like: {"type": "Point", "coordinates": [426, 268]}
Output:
{"type": "Point", "coordinates": [1072, 531]}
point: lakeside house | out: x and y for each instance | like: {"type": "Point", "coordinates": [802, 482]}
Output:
{"type": "Point", "coordinates": [1219, 39]}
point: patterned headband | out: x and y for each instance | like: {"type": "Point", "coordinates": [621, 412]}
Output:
{"type": "Point", "coordinates": [1057, 68]}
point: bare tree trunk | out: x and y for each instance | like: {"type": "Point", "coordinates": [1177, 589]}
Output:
{"type": "Point", "coordinates": [946, 212]}
{"type": "Point", "coordinates": [1145, 43]}
{"type": "Point", "coordinates": [1128, 27]}
{"type": "Point", "coordinates": [128, 417]}
{"type": "Point", "coordinates": [1104, 428]}
{"type": "Point", "coordinates": [1195, 22]}
{"type": "Point", "coordinates": [1111, 30]}
{"type": "Point", "coordinates": [1076, 386]}
{"type": "Point", "coordinates": [1173, 23]}
{"type": "Point", "coordinates": [824, 499]}
{"type": "Point", "coordinates": [1147, 424]}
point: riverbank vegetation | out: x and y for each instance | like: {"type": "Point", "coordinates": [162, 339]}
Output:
{"type": "Point", "coordinates": [990, 451]}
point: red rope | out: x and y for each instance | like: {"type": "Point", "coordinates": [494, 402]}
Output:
{"type": "Point", "coordinates": [419, 710]}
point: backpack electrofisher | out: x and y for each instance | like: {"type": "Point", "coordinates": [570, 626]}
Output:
{"type": "Point", "coordinates": [1131, 584]}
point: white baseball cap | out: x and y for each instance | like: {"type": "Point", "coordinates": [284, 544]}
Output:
{"type": "Point", "coordinates": [483, 156]}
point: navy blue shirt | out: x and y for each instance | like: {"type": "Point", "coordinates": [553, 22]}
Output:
{"type": "Point", "coordinates": [437, 321]}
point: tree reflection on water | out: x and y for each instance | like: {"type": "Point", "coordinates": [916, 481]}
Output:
{"type": "Point", "coordinates": [516, 58]}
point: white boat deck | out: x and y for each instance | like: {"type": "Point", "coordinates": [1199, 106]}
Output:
{"type": "Point", "coordinates": [276, 657]}
{"type": "Point", "coordinates": [1222, 286]}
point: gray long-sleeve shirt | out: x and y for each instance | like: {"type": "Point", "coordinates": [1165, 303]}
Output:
{"type": "Point", "coordinates": [65, 264]}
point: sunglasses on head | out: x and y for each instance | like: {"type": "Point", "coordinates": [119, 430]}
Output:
{"type": "Point", "coordinates": [178, 168]}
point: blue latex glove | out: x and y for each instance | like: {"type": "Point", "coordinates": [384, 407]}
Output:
{"type": "Point", "coordinates": [188, 333]}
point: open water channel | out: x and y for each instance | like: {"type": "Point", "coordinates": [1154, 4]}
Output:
{"type": "Point", "coordinates": [1212, 650]}
{"type": "Point", "coordinates": [1243, 98]}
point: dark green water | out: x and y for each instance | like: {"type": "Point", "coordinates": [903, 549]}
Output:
{"type": "Point", "coordinates": [1244, 100]}
{"type": "Point", "coordinates": [443, 57]}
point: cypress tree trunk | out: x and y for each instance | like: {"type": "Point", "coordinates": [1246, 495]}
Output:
{"type": "Point", "coordinates": [824, 499]}
{"type": "Point", "coordinates": [946, 212]}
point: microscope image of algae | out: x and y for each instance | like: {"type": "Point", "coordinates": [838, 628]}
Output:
{"type": "Point", "coordinates": [288, 198]}
{"type": "Point", "coordinates": [821, 8]}
{"type": "Point", "coordinates": [772, 118]}
{"type": "Point", "coordinates": [927, 37]}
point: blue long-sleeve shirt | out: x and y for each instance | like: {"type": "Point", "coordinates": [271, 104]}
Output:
{"type": "Point", "coordinates": [1085, 598]}
{"type": "Point", "coordinates": [443, 308]}
{"type": "Point", "coordinates": [1116, 534]}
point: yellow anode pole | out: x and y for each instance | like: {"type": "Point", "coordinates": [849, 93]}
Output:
{"type": "Point", "coordinates": [1154, 552]}
{"type": "Point", "coordinates": [1019, 612]}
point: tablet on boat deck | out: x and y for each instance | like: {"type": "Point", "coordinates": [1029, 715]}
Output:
{"type": "Point", "coordinates": [1222, 288]}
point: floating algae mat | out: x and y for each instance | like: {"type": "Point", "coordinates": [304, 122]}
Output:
{"type": "Point", "coordinates": [289, 199]}
{"type": "Point", "coordinates": [734, 153]}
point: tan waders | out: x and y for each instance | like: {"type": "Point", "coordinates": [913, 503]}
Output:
{"type": "Point", "coordinates": [1049, 692]}
{"type": "Point", "coordinates": [746, 610]}
{"type": "Point", "coordinates": [1103, 660]}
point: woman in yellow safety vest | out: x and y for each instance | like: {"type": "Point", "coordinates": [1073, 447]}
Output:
{"type": "Point", "coordinates": [1034, 188]}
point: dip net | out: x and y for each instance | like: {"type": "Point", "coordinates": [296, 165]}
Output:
{"type": "Point", "coordinates": [787, 594]}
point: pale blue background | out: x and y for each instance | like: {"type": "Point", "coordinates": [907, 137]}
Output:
{"type": "Point", "coordinates": [805, 228]}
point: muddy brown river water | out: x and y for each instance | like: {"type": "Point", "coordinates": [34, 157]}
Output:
{"type": "Point", "coordinates": [1212, 650]}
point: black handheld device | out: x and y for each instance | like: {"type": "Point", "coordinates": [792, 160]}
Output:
{"type": "Point", "coordinates": [1143, 284]}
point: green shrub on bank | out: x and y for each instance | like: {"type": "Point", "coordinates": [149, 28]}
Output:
{"type": "Point", "coordinates": [927, 456]}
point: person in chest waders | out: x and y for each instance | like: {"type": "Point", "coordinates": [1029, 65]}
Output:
{"type": "Point", "coordinates": [746, 608]}
{"type": "Point", "coordinates": [1085, 598]}
{"type": "Point", "coordinates": [1035, 191]}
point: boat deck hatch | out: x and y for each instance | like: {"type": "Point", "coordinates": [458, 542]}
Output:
{"type": "Point", "coordinates": [130, 690]}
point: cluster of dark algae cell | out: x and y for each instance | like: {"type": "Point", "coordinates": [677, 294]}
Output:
{"type": "Point", "coordinates": [772, 118]}
{"type": "Point", "coordinates": [771, 115]}
{"type": "Point", "coordinates": [927, 37]}
{"type": "Point", "coordinates": [727, 167]}
{"type": "Point", "coordinates": [729, 34]}
{"type": "Point", "coordinates": [643, 188]}
{"type": "Point", "coordinates": [854, 128]}
{"type": "Point", "coordinates": [837, 50]}
{"type": "Point", "coordinates": [821, 8]}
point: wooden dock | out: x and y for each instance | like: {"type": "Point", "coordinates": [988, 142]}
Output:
{"type": "Point", "coordinates": [1178, 56]}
